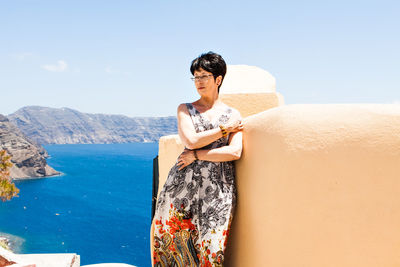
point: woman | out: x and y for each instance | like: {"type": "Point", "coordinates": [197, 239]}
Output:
{"type": "Point", "coordinates": [195, 207]}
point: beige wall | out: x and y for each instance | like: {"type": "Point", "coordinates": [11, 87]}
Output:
{"type": "Point", "coordinates": [169, 148]}
{"type": "Point", "coordinates": [250, 104]}
{"type": "Point", "coordinates": [319, 185]}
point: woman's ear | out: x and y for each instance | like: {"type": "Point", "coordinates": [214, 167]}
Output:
{"type": "Point", "coordinates": [218, 80]}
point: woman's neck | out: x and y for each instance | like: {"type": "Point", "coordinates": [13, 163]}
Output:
{"type": "Point", "coordinates": [208, 102]}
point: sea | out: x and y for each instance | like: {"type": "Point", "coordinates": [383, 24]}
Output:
{"type": "Point", "coordinates": [99, 208]}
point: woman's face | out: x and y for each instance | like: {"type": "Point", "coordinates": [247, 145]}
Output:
{"type": "Point", "coordinates": [205, 83]}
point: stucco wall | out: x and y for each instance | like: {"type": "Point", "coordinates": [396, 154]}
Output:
{"type": "Point", "coordinates": [250, 104]}
{"type": "Point", "coordinates": [169, 148]}
{"type": "Point", "coordinates": [319, 185]}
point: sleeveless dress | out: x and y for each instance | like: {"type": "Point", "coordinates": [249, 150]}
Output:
{"type": "Point", "coordinates": [195, 207]}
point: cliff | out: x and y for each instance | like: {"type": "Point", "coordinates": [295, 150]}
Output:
{"type": "Point", "coordinates": [67, 126]}
{"type": "Point", "coordinates": [29, 158]}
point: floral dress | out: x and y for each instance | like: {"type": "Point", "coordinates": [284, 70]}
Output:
{"type": "Point", "coordinates": [195, 207]}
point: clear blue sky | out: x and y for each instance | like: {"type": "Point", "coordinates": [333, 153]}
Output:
{"type": "Point", "coordinates": [133, 57]}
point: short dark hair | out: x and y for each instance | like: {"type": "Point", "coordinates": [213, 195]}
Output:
{"type": "Point", "coordinates": [211, 62]}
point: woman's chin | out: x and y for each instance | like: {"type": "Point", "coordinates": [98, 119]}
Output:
{"type": "Point", "coordinates": [202, 92]}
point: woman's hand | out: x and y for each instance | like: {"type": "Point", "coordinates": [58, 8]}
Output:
{"type": "Point", "coordinates": [234, 126]}
{"type": "Point", "coordinates": [186, 158]}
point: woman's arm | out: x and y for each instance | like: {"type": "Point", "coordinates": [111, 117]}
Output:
{"type": "Point", "coordinates": [229, 152]}
{"type": "Point", "coordinates": [193, 140]}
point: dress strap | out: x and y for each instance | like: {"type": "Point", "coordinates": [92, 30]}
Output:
{"type": "Point", "coordinates": [191, 109]}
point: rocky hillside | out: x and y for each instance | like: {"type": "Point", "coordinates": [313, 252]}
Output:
{"type": "Point", "coordinates": [67, 126]}
{"type": "Point", "coordinates": [29, 158]}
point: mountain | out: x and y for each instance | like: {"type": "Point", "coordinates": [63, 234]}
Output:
{"type": "Point", "coordinates": [28, 158]}
{"type": "Point", "coordinates": [68, 126]}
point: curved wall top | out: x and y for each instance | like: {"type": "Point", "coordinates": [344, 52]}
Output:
{"type": "Point", "coordinates": [241, 79]}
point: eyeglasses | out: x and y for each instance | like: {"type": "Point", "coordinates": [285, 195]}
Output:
{"type": "Point", "coordinates": [201, 78]}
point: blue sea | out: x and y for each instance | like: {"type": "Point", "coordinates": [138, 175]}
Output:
{"type": "Point", "coordinates": [100, 208]}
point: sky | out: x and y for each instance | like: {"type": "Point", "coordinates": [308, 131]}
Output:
{"type": "Point", "coordinates": [133, 57]}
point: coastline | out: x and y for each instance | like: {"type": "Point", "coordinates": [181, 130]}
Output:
{"type": "Point", "coordinates": [38, 177]}
{"type": "Point", "coordinates": [11, 242]}
{"type": "Point", "coordinates": [110, 202]}
{"type": "Point", "coordinates": [5, 243]}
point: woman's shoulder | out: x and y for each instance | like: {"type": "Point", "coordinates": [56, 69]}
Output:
{"type": "Point", "coordinates": [189, 106]}
{"type": "Point", "coordinates": [185, 107]}
{"type": "Point", "coordinates": [182, 105]}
